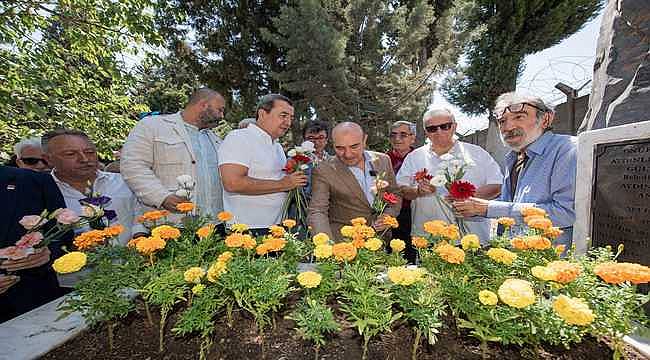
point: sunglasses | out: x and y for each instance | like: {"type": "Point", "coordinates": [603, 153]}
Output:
{"type": "Point", "coordinates": [517, 108]}
{"type": "Point", "coordinates": [434, 128]}
{"type": "Point", "coordinates": [314, 138]}
{"type": "Point", "coordinates": [401, 135]}
{"type": "Point", "coordinates": [33, 161]}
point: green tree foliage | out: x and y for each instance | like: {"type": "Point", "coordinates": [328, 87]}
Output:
{"type": "Point", "coordinates": [63, 64]}
{"type": "Point", "coordinates": [509, 31]}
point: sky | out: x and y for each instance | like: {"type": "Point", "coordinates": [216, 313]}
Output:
{"type": "Point", "coordinates": [570, 62]}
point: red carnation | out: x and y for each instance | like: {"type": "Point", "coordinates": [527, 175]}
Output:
{"type": "Point", "coordinates": [290, 167]}
{"type": "Point", "coordinates": [390, 198]}
{"type": "Point", "coordinates": [422, 175]}
{"type": "Point", "coordinates": [461, 190]}
{"type": "Point", "coordinates": [301, 159]}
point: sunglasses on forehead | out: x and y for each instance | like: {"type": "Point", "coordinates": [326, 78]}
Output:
{"type": "Point", "coordinates": [434, 128]}
{"type": "Point", "coordinates": [517, 108]}
{"type": "Point", "coordinates": [33, 161]}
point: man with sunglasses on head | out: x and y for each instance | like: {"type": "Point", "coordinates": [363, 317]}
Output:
{"type": "Point", "coordinates": [540, 168]}
{"type": "Point", "coordinates": [29, 155]}
{"type": "Point", "coordinates": [316, 131]}
{"type": "Point", "coordinates": [482, 171]}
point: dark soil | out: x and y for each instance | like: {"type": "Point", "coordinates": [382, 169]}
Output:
{"type": "Point", "coordinates": [135, 339]}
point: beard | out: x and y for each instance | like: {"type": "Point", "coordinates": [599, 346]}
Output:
{"type": "Point", "coordinates": [208, 119]}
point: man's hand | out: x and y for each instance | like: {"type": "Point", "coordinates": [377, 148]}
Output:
{"type": "Point", "coordinates": [379, 225]}
{"type": "Point", "coordinates": [425, 189]}
{"type": "Point", "coordinates": [471, 207]}
{"type": "Point", "coordinates": [7, 281]}
{"type": "Point", "coordinates": [171, 201]}
{"type": "Point", "coordinates": [295, 180]}
{"type": "Point", "coordinates": [40, 257]}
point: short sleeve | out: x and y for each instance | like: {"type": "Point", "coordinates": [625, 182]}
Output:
{"type": "Point", "coordinates": [493, 173]}
{"type": "Point", "coordinates": [405, 174]}
{"type": "Point", "coordinates": [231, 150]}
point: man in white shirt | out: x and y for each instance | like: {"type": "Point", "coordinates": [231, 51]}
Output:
{"type": "Point", "coordinates": [73, 158]}
{"type": "Point", "coordinates": [484, 173]}
{"type": "Point", "coordinates": [251, 162]}
{"type": "Point", "coordinates": [162, 147]}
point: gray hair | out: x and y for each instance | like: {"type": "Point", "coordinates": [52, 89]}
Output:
{"type": "Point", "coordinates": [245, 122]}
{"type": "Point", "coordinates": [438, 112]}
{"type": "Point", "coordinates": [29, 142]}
{"type": "Point", "coordinates": [399, 123]}
{"type": "Point", "coordinates": [61, 132]}
{"type": "Point", "coordinates": [511, 98]}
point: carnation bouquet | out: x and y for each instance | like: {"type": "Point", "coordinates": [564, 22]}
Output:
{"type": "Point", "coordinates": [382, 198]}
{"type": "Point", "coordinates": [300, 159]}
{"type": "Point", "coordinates": [94, 206]}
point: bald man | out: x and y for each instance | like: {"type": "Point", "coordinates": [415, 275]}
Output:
{"type": "Point", "coordinates": [343, 186]}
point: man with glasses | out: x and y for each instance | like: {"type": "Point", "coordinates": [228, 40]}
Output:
{"type": "Point", "coordinates": [316, 132]}
{"type": "Point", "coordinates": [540, 168]}
{"type": "Point", "coordinates": [482, 171]}
{"type": "Point", "coordinates": [402, 138]}
{"type": "Point", "coordinates": [29, 155]}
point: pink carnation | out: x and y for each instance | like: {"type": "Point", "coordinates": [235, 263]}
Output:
{"type": "Point", "coordinates": [14, 253]}
{"type": "Point", "coordinates": [29, 240]}
{"type": "Point", "coordinates": [66, 216]}
{"type": "Point", "coordinates": [32, 221]}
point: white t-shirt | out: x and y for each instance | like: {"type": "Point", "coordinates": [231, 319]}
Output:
{"type": "Point", "coordinates": [485, 172]}
{"type": "Point", "coordinates": [253, 148]}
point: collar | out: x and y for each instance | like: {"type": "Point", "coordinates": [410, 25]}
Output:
{"type": "Point", "coordinates": [257, 131]}
{"type": "Point", "coordinates": [452, 150]}
{"type": "Point", "coordinates": [100, 176]}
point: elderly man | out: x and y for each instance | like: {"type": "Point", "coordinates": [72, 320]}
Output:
{"type": "Point", "coordinates": [343, 186]}
{"type": "Point", "coordinates": [76, 172]}
{"type": "Point", "coordinates": [316, 132]}
{"type": "Point", "coordinates": [540, 169]}
{"type": "Point", "coordinates": [482, 171]}
{"type": "Point", "coordinates": [251, 162]}
{"type": "Point", "coordinates": [402, 138]}
{"type": "Point", "coordinates": [29, 155]}
{"type": "Point", "coordinates": [161, 148]}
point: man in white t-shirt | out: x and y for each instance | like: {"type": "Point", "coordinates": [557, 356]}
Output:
{"type": "Point", "coordinates": [251, 162]}
{"type": "Point", "coordinates": [485, 174]}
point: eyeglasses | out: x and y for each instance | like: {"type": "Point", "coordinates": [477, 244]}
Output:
{"type": "Point", "coordinates": [33, 161]}
{"type": "Point", "coordinates": [312, 138]}
{"type": "Point", "coordinates": [517, 108]}
{"type": "Point", "coordinates": [434, 128]}
{"type": "Point", "coordinates": [401, 135]}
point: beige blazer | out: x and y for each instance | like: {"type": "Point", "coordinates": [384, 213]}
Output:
{"type": "Point", "coordinates": [156, 152]}
{"type": "Point", "coordinates": [338, 198]}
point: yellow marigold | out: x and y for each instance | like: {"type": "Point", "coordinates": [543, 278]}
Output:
{"type": "Point", "coordinates": [435, 227]}
{"type": "Point", "coordinates": [470, 242]}
{"type": "Point", "coordinates": [225, 257]}
{"type": "Point", "coordinates": [506, 221]}
{"type": "Point", "coordinates": [390, 222]}
{"type": "Point", "coordinates": [240, 228]}
{"type": "Point", "coordinates": [502, 255]}
{"type": "Point", "coordinates": [198, 289]}
{"type": "Point", "coordinates": [194, 275]}
{"type": "Point", "coordinates": [289, 223]}
{"type": "Point", "coordinates": [373, 244]}
{"type": "Point", "coordinates": [248, 242]}
{"type": "Point", "coordinates": [89, 239]}
{"type": "Point", "coordinates": [573, 311]}
{"type": "Point", "coordinates": [150, 245]}
{"type": "Point", "coordinates": [114, 230]}
{"type": "Point", "coordinates": [277, 231]}
{"type": "Point", "coordinates": [450, 253]}
{"type": "Point", "coordinates": [397, 245]}
{"type": "Point", "coordinates": [70, 262]}
{"type": "Point", "coordinates": [487, 297]}
{"type": "Point", "coordinates": [543, 273]}
{"type": "Point", "coordinates": [539, 223]}
{"type": "Point", "coordinates": [359, 221]}
{"type": "Point", "coordinates": [364, 231]}
{"type": "Point", "coordinates": [205, 231]}
{"type": "Point", "coordinates": [347, 231]}
{"type": "Point", "coordinates": [516, 293]}
{"type": "Point", "coordinates": [616, 273]}
{"type": "Point", "coordinates": [166, 232]}
{"type": "Point", "coordinates": [401, 275]}
{"type": "Point", "coordinates": [451, 232]}
{"type": "Point", "coordinates": [323, 251]}
{"type": "Point", "coordinates": [532, 211]}
{"type": "Point", "coordinates": [224, 216]}
{"type": "Point", "coordinates": [234, 240]}
{"type": "Point", "coordinates": [419, 242]}
{"type": "Point", "coordinates": [553, 232]}
{"type": "Point", "coordinates": [216, 270]}
{"type": "Point", "coordinates": [185, 207]}
{"type": "Point", "coordinates": [309, 279]}
{"type": "Point", "coordinates": [321, 239]}
{"type": "Point", "coordinates": [344, 251]}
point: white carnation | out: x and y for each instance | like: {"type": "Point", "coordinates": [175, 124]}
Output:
{"type": "Point", "coordinates": [307, 146]}
{"type": "Point", "coordinates": [438, 180]}
{"type": "Point", "coordinates": [292, 152]}
{"type": "Point", "coordinates": [184, 193]}
{"type": "Point", "coordinates": [185, 181]}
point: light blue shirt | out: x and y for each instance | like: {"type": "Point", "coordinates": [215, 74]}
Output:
{"type": "Point", "coordinates": [365, 180]}
{"type": "Point", "coordinates": [208, 192]}
{"type": "Point", "coordinates": [547, 181]}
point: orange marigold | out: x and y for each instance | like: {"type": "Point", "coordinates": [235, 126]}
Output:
{"type": "Point", "coordinates": [89, 239]}
{"type": "Point", "coordinates": [616, 273]}
{"type": "Point", "coordinates": [289, 223]}
{"type": "Point", "coordinates": [565, 272]}
{"type": "Point", "coordinates": [150, 245]}
{"type": "Point", "coordinates": [248, 242]}
{"type": "Point", "coordinates": [277, 231]}
{"type": "Point", "coordinates": [133, 242]}
{"type": "Point", "coordinates": [539, 223]}
{"type": "Point", "coordinates": [205, 231]}
{"type": "Point", "coordinates": [506, 221]}
{"type": "Point", "coordinates": [435, 227]}
{"type": "Point", "coordinates": [114, 230]}
{"type": "Point", "coordinates": [262, 249]}
{"type": "Point", "coordinates": [553, 232]}
{"type": "Point", "coordinates": [153, 215]}
{"type": "Point", "coordinates": [234, 240]}
{"type": "Point", "coordinates": [358, 242]}
{"type": "Point", "coordinates": [451, 232]}
{"type": "Point", "coordinates": [359, 221]}
{"type": "Point", "coordinates": [535, 242]}
{"type": "Point", "coordinates": [364, 231]}
{"type": "Point", "coordinates": [390, 221]}
{"type": "Point", "coordinates": [419, 242]}
{"type": "Point", "coordinates": [450, 253]}
{"type": "Point", "coordinates": [224, 216]}
{"type": "Point", "coordinates": [185, 207]}
{"type": "Point", "coordinates": [531, 210]}
{"type": "Point", "coordinates": [166, 232]}
{"type": "Point", "coordinates": [275, 244]}
{"type": "Point", "coordinates": [344, 251]}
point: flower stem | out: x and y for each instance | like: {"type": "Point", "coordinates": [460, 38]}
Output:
{"type": "Point", "coordinates": [416, 343]}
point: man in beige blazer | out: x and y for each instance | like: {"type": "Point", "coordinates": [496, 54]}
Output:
{"type": "Point", "coordinates": [160, 148]}
{"type": "Point", "coordinates": [342, 186]}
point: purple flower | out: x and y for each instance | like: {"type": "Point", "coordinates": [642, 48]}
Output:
{"type": "Point", "coordinates": [97, 201]}
{"type": "Point", "coordinates": [110, 214]}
